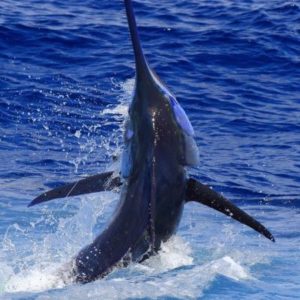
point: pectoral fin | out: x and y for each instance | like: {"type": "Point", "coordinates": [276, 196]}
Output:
{"type": "Point", "coordinates": [201, 193]}
{"type": "Point", "coordinates": [92, 184]}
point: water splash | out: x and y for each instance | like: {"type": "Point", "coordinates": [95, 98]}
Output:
{"type": "Point", "coordinates": [36, 265]}
{"type": "Point", "coordinates": [158, 277]}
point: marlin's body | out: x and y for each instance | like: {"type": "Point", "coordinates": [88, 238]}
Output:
{"type": "Point", "coordinates": [158, 146]}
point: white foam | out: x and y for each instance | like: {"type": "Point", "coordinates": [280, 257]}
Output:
{"type": "Point", "coordinates": [171, 273]}
{"type": "Point", "coordinates": [156, 277]}
{"type": "Point", "coordinates": [226, 266]}
{"type": "Point", "coordinates": [38, 269]}
{"type": "Point", "coordinates": [34, 280]}
{"type": "Point", "coordinates": [122, 107]}
{"type": "Point", "coordinates": [173, 254]}
{"type": "Point", "coordinates": [189, 282]}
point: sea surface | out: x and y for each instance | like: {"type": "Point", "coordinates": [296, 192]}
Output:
{"type": "Point", "coordinates": [66, 79]}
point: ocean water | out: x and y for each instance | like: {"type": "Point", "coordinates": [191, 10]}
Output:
{"type": "Point", "coordinates": [66, 78]}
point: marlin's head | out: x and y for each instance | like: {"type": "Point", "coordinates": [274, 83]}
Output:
{"type": "Point", "coordinates": [157, 127]}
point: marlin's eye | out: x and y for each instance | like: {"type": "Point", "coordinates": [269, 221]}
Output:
{"type": "Point", "coordinates": [129, 134]}
{"type": "Point", "coordinates": [128, 131]}
{"type": "Point", "coordinates": [181, 117]}
{"type": "Point", "coordinates": [126, 160]}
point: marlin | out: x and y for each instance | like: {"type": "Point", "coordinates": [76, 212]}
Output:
{"type": "Point", "coordinates": [158, 147]}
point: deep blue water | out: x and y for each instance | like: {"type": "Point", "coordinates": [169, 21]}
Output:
{"type": "Point", "coordinates": [66, 77]}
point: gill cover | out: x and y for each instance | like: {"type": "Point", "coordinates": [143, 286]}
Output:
{"type": "Point", "coordinates": [191, 152]}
